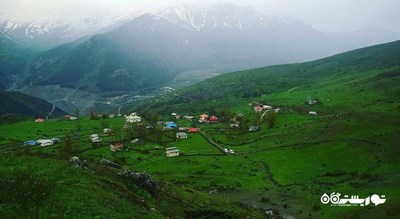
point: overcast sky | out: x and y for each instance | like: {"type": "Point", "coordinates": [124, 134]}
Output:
{"type": "Point", "coordinates": [331, 16]}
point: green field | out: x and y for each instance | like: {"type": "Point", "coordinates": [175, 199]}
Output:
{"type": "Point", "coordinates": [351, 146]}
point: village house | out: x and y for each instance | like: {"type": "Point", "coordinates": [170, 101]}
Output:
{"type": "Point", "coordinates": [176, 115]}
{"type": "Point", "coordinates": [95, 138]}
{"type": "Point", "coordinates": [235, 125]}
{"type": "Point", "coordinates": [183, 129]}
{"type": "Point", "coordinates": [171, 125]}
{"type": "Point", "coordinates": [189, 117]}
{"type": "Point", "coordinates": [111, 116]}
{"type": "Point", "coordinates": [67, 117]}
{"type": "Point", "coordinates": [267, 107]}
{"type": "Point", "coordinates": [193, 130]}
{"type": "Point", "coordinates": [73, 118]}
{"type": "Point", "coordinates": [313, 113]}
{"type": "Point", "coordinates": [181, 135]}
{"type": "Point", "coordinates": [39, 120]}
{"type": "Point", "coordinates": [213, 119]}
{"type": "Point", "coordinates": [137, 141]}
{"type": "Point", "coordinates": [254, 128]}
{"type": "Point", "coordinates": [257, 109]}
{"type": "Point", "coordinates": [117, 146]}
{"type": "Point", "coordinates": [107, 131]}
{"type": "Point", "coordinates": [203, 117]}
{"type": "Point", "coordinates": [312, 101]}
{"type": "Point", "coordinates": [45, 142]}
{"type": "Point", "coordinates": [172, 152]}
{"type": "Point", "coordinates": [133, 118]}
{"type": "Point", "coordinates": [55, 140]}
{"type": "Point", "coordinates": [30, 143]}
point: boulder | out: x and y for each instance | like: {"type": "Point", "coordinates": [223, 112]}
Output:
{"type": "Point", "coordinates": [143, 180]}
{"type": "Point", "coordinates": [74, 161]}
{"type": "Point", "coordinates": [77, 163]}
{"type": "Point", "coordinates": [110, 163]}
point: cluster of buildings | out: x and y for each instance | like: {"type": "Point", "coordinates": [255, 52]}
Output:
{"type": "Point", "coordinates": [42, 142]}
{"type": "Point", "coordinates": [204, 118]}
{"type": "Point", "coordinates": [260, 107]}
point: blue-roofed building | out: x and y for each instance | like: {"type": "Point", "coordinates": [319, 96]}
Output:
{"type": "Point", "coordinates": [30, 143]}
{"type": "Point", "coordinates": [171, 125]}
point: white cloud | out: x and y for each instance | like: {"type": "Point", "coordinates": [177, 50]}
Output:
{"type": "Point", "coordinates": [326, 15]}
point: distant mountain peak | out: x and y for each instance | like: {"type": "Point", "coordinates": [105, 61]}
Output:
{"type": "Point", "coordinates": [223, 16]}
{"type": "Point", "coordinates": [45, 34]}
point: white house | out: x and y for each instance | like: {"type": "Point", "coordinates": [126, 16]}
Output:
{"type": "Point", "coordinates": [313, 113]}
{"type": "Point", "coordinates": [107, 131]}
{"type": "Point", "coordinates": [181, 135]}
{"type": "Point", "coordinates": [95, 138]}
{"type": "Point", "coordinates": [312, 101]}
{"type": "Point", "coordinates": [45, 142]}
{"type": "Point", "coordinates": [172, 152]}
{"type": "Point", "coordinates": [267, 107]}
{"type": "Point", "coordinates": [133, 119]}
{"type": "Point", "coordinates": [189, 117]}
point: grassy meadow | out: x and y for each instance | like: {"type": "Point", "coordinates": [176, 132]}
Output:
{"type": "Point", "coordinates": [351, 146]}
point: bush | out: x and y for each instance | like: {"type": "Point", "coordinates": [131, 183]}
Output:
{"type": "Point", "coordinates": [264, 199]}
{"type": "Point", "coordinates": [316, 207]}
{"type": "Point", "coordinates": [24, 190]}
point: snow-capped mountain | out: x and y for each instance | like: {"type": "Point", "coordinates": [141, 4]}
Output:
{"type": "Point", "coordinates": [49, 34]}
{"type": "Point", "coordinates": [239, 35]}
{"type": "Point", "coordinates": [224, 16]}
{"type": "Point", "coordinates": [152, 49]}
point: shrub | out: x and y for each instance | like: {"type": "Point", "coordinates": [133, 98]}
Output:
{"type": "Point", "coordinates": [264, 199]}
{"type": "Point", "coordinates": [316, 207]}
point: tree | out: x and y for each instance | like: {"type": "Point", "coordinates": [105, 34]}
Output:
{"type": "Point", "coordinates": [68, 147]}
{"type": "Point", "coordinates": [158, 134]}
{"type": "Point", "coordinates": [226, 115]}
{"type": "Point", "coordinates": [154, 119]}
{"type": "Point", "coordinates": [77, 113]}
{"type": "Point", "coordinates": [92, 114]}
{"type": "Point", "coordinates": [244, 125]}
{"type": "Point", "coordinates": [271, 118]}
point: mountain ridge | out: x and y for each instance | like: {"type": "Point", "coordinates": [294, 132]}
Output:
{"type": "Point", "coordinates": [254, 83]}
{"type": "Point", "coordinates": [22, 104]}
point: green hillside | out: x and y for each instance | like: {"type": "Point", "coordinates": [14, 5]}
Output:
{"type": "Point", "coordinates": [349, 144]}
{"type": "Point", "coordinates": [11, 62]}
{"type": "Point", "coordinates": [353, 66]}
{"type": "Point", "coordinates": [14, 103]}
{"type": "Point", "coordinates": [52, 188]}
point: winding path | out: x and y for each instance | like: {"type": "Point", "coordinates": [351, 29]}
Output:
{"type": "Point", "coordinates": [51, 112]}
{"type": "Point", "coordinates": [211, 141]}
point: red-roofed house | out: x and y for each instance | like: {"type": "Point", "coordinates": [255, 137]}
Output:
{"type": "Point", "coordinates": [116, 147]}
{"type": "Point", "coordinates": [39, 120]}
{"type": "Point", "coordinates": [193, 130]}
{"type": "Point", "coordinates": [213, 119]}
{"type": "Point", "coordinates": [258, 109]}
{"type": "Point", "coordinates": [203, 117]}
